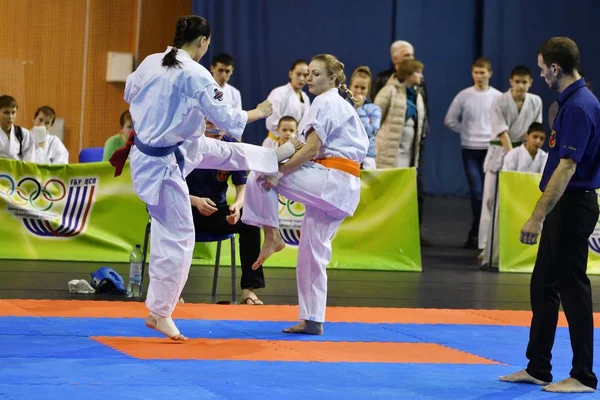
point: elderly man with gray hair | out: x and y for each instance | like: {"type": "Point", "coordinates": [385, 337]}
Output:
{"type": "Point", "coordinates": [399, 51]}
{"type": "Point", "coordinates": [402, 50]}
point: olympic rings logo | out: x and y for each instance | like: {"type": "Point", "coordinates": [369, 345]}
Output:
{"type": "Point", "coordinates": [295, 209]}
{"type": "Point", "coordinates": [30, 191]}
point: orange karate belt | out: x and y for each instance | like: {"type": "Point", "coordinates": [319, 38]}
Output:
{"type": "Point", "coordinates": [341, 164]}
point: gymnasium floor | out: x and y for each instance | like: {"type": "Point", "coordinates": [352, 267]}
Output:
{"type": "Point", "coordinates": [446, 333]}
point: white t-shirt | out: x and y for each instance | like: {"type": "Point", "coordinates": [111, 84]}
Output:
{"type": "Point", "coordinates": [469, 115]}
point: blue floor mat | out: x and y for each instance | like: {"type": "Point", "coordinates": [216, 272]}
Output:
{"type": "Point", "coordinates": [54, 358]}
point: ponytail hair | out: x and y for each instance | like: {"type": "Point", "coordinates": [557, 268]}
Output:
{"type": "Point", "coordinates": [335, 67]}
{"type": "Point", "coordinates": [188, 29]}
{"type": "Point", "coordinates": [344, 89]}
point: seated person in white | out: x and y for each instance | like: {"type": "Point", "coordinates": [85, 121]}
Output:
{"type": "Point", "coordinates": [16, 142]}
{"type": "Point", "coordinates": [528, 157]}
{"type": "Point", "coordinates": [48, 148]}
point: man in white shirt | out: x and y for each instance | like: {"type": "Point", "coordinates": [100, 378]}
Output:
{"type": "Point", "coordinates": [16, 143]}
{"type": "Point", "coordinates": [222, 68]}
{"type": "Point", "coordinates": [469, 115]}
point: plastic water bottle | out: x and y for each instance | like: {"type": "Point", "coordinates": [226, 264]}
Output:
{"type": "Point", "coordinates": [134, 288]}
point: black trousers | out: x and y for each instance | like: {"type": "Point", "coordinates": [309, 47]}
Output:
{"type": "Point", "coordinates": [249, 242]}
{"type": "Point", "coordinates": [559, 276]}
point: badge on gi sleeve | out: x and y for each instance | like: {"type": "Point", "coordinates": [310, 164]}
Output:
{"type": "Point", "coordinates": [218, 95]}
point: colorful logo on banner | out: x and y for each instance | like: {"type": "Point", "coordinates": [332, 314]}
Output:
{"type": "Point", "coordinates": [50, 208]}
{"type": "Point", "coordinates": [594, 240]}
{"type": "Point", "coordinates": [290, 220]}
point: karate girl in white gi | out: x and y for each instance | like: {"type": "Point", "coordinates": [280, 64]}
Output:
{"type": "Point", "coordinates": [170, 94]}
{"type": "Point", "coordinates": [324, 176]}
{"type": "Point", "coordinates": [287, 100]}
{"type": "Point", "coordinates": [512, 113]}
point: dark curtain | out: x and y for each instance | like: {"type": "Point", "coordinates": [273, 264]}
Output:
{"type": "Point", "coordinates": [266, 36]}
{"type": "Point", "coordinates": [513, 30]}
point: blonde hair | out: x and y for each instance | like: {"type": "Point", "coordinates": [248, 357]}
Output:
{"type": "Point", "coordinates": [335, 67]}
{"type": "Point", "coordinates": [365, 72]}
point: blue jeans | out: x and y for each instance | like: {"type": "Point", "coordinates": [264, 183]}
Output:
{"type": "Point", "coordinates": [473, 165]}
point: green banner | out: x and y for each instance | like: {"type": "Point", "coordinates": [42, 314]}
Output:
{"type": "Point", "coordinates": [80, 212]}
{"type": "Point", "coordinates": [518, 193]}
{"type": "Point", "coordinates": [76, 212]}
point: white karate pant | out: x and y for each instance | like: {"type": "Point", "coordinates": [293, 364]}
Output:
{"type": "Point", "coordinates": [491, 252]}
{"type": "Point", "coordinates": [172, 236]}
{"type": "Point", "coordinates": [321, 220]}
{"type": "Point", "coordinates": [487, 204]}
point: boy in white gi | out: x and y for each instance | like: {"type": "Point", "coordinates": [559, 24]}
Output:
{"type": "Point", "coordinates": [324, 176]}
{"type": "Point", "coordinates": [170, 94]}
{"type": "Point", "coordinates": [16, 143]}
{"type": "Point", "coordinates": [287, 100]}
{"type": "Point", "coordinates": [528, 157]}
{"type": "Point", "coordinates": [512, 113]}
{"type": "Point", "coordinates": [49, 149]}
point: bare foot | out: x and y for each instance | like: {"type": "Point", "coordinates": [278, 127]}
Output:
{"type": "Point", "coordinates": [306, 327]}
{"type": "Point", "coordinates": [166, 326]}
{"type": "Point", "coordinates": [522, 377]}
{"type": "Point", "coordinates": [271, 246]}
{"type": "Point", "coordinates": [569, 385]}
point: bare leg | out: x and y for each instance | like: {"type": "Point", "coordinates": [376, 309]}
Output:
{"type": "Point", "coordinates": [273, 243]}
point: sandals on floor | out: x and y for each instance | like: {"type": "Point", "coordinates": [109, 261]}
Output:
{"type": "Point", "coordinates": [253, 302]}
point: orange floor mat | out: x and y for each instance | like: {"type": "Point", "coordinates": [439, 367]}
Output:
{"type": "Point", "coordinates": [265, 350]}
{"type": "Point", "coordinates": [118, 309]}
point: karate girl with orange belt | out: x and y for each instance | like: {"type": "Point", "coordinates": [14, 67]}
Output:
{"type": "Point", "coordinates": [324, 175]}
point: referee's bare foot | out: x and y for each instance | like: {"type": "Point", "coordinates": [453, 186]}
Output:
{"type": "Point", "coordinates": [522, 377]}
{"type": "Point", "coordinates": [569, 385]}
{"type": "Point", "coordinates": [306, 327]}
{"type": "Point", "coordinates": [272, 245]}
